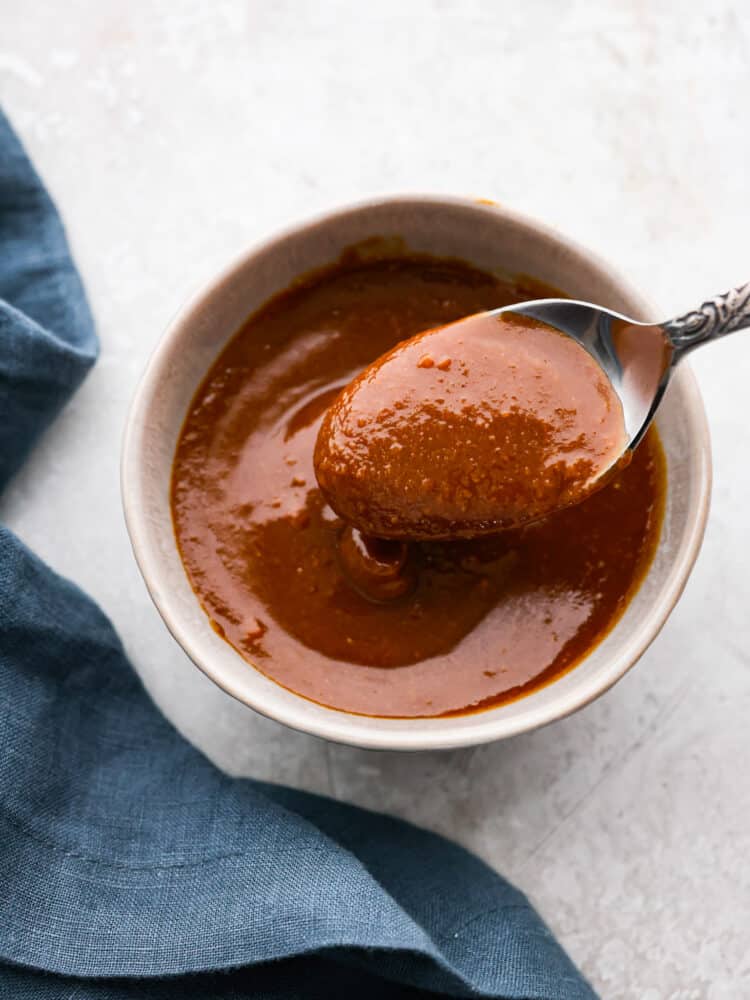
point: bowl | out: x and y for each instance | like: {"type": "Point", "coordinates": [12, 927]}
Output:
{"type": "Point", "coordinates": [493, 238]}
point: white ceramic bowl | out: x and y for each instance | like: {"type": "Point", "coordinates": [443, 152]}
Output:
{"type": "Point", "coordinates": [493, 238]}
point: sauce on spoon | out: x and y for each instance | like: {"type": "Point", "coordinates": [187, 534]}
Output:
{"type": "Point", "coordinates": [483, 425]}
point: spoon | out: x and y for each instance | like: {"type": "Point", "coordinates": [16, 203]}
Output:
{"type": "Point", "coordinates": [639, 359]}
{"type": "Point", "coordinates": [504, 417]}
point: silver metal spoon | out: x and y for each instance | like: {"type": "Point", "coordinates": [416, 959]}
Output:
{"type": "Point", "coordinates": [639, 358]}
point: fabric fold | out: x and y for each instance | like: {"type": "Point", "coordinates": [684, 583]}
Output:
{"type": "Point", "coordinates": [47, 338]}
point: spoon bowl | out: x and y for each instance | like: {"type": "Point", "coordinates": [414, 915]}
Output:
{"type": "Point", "coordinates": [638, 358]}
{"type": "Point", "coordinates": [504, 417]}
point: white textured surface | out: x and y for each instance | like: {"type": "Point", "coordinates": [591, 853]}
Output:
{"type": "Point", "coordinates": [174, 134]}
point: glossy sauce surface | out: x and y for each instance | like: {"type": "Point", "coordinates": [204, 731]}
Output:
{"type": "Point", "coordinates": [468, 429]}
{"type": "Point", "coordinates": [476, 622]}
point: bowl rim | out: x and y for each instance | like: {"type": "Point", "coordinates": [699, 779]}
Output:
{"type": "Point", "coordinates": [331, 724]}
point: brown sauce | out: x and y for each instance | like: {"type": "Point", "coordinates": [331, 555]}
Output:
{"type": "Point", "coordinates": [452, 625]}
{"type": "Point", "coordinates": [469, 429]}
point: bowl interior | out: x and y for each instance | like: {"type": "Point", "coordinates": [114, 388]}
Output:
{"type": "Point", "coordinates": [491, 238]}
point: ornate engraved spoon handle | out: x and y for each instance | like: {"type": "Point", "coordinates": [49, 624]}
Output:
{"type": "Point", "coordinates": [717, 317]}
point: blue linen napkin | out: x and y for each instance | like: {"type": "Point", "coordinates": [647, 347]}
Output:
{"type": "Point", "coordinates": [129, 865]}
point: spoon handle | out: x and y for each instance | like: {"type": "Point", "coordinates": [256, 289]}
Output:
{"type": "Point", "coordinates": [717, 317]}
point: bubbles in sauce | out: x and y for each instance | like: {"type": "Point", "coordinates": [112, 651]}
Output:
{"type": "Point", "coordinates": [472, 622]}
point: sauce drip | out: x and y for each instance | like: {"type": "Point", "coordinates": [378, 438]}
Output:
{"type": "Point", "coordinates": [486, 424]}
{"type": "Point", "coordinates": [480, 621]}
